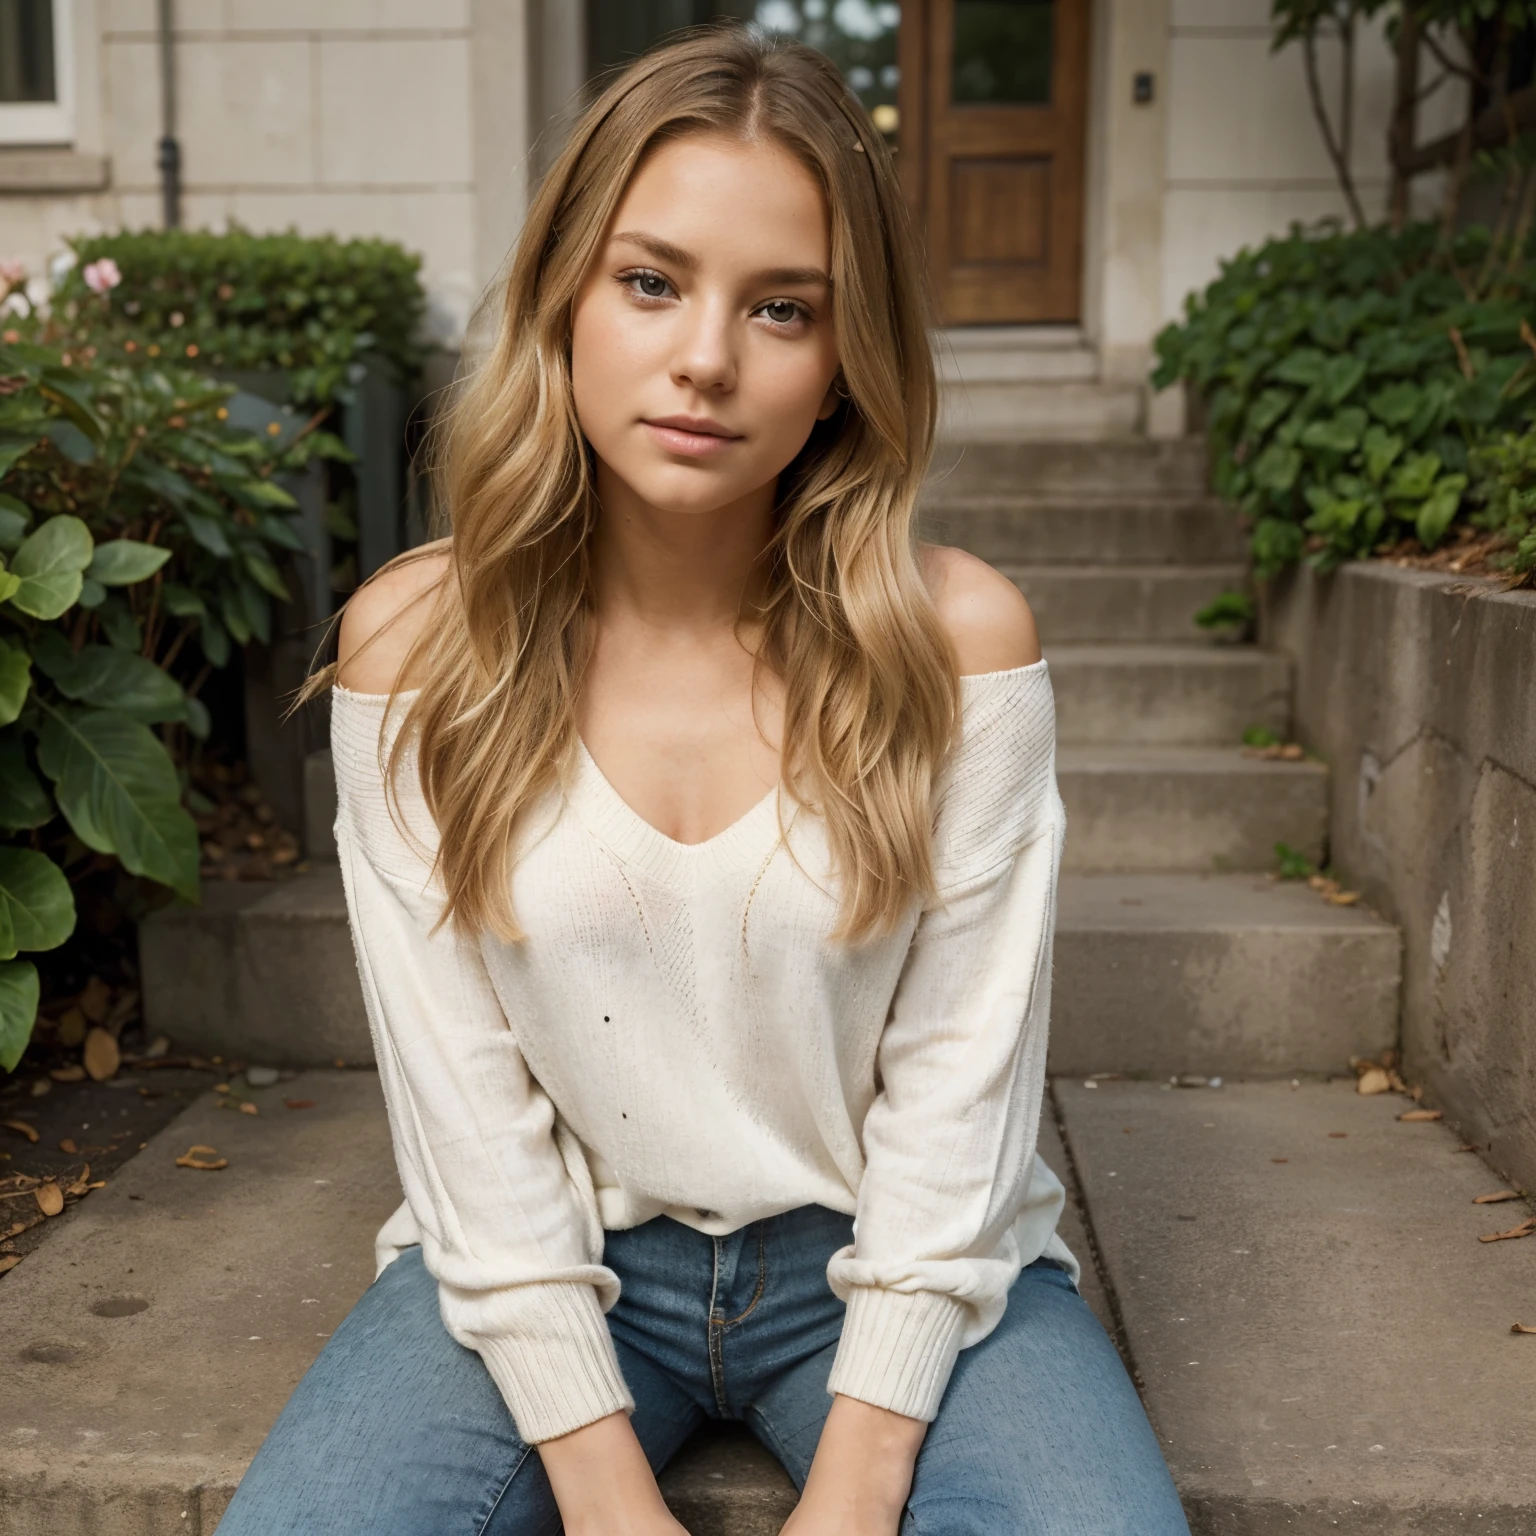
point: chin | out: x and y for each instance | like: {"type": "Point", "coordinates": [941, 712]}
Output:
{"type": "Point", "coordinates": [684, 489]}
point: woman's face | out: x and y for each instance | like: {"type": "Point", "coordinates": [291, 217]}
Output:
{"type": "Point", "coordinates": [702, 348]}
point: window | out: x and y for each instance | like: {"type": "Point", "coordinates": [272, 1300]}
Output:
{"type": "Point", "coordinates": [36, 85]}
{"type": "Point", "coordinates": [858, 35]}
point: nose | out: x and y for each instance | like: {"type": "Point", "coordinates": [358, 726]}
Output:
{"type": "Point", "coordinates": [705, 351]}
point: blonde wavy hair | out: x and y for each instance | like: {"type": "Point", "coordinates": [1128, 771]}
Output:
{"type": "Point", "coordinates": [845, 619]}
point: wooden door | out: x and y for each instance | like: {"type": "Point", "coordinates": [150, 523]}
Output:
{"type": "Point", "coordinates": [997, 92]}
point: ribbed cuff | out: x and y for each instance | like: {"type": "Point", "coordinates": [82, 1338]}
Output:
{"type": "Point", "coordinates": [898, 1349]}
{"type": "Point", "coordinates": [558, 1370]}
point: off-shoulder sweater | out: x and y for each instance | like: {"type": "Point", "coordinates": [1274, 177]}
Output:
{"type": "Point", "coordinates": [678, 1034]}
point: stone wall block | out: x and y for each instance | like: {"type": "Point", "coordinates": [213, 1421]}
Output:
{"type": "Point", "coordinates": [1418, 687]}
{"type": "Point", "coordinates": [395, 112]}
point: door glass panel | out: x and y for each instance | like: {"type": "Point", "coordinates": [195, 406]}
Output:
{"type": "Point", "coordinates": [1002, 52]}
{"type": "Point", "coordinates": [859, 36]}
{"type": "Point", "coordinates": [26, 50]}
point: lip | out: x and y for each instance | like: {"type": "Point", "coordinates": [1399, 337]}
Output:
{"type": "Point", "coordinates": [694, 436]}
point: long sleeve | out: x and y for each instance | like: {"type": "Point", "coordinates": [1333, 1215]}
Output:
{"type": "Point", "coordinates": [502, 1201]}
{"type": "Point", "coordinates": [949, 1139]}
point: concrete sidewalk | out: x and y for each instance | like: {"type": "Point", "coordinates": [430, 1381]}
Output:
{"type": "Point", "coordinates": [152, 1341]}
{"type": "Point", "coordinates": [1324, 1343]}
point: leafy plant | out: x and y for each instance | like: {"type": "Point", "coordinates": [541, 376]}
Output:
{"type": "Point", "coordinates": [1504, 483]}
{"type": "Point", "coordinates": [1292, 863]}
{"type": "Point", "coordinates": [1346, 377]}
{"type": "Point", "coordinates": [1229, 610]}
{"type": "Point", "coordinates": [309, 305]}
{"type": "Point", "coordinates": [140, 538]}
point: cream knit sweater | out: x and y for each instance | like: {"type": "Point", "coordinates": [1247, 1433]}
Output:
{"type": "Point", "coordinates": [678, 1035]}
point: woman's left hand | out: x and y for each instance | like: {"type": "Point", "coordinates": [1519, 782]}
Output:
{"type": "Point", "coordinates": [861, 1474]}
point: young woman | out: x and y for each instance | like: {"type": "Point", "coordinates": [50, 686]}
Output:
{"type": "Point", "coordinates": [700, 835]}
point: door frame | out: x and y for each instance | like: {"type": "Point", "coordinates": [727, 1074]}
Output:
{"type": "Point", "coordinates": [914, 98]}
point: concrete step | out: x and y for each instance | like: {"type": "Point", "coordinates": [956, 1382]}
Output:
{"type": "Point", "coordinates": [1024, 527]}
{"type": "Point", "coordinates": [1229, 975]}
{"type": "Point", "coordinates": [1123, 602]}
{"type": "Point", "coordinates": [1006, 354]}
{"type": "Point", "coordinates": [1009, 410]}
{"type": "Point", "coordinates": [1187, 808]}
{"type": "Point", "coordinates": [1167, 695]}
{"type": "Point", "coordinates": [1155, 974]}
{"type": "Point", "coordinates": [158, 1333]}
{"type": "Point", "coordinates": [1127, 466]}
{"type": "Point", "coordinates": [260, 972]}
{"type": "Point", "coordinates": [1324, 1344]}
{"type": "Point", "coordinates": [153, 1339]}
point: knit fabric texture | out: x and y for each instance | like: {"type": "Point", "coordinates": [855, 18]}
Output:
{"type": "Point", "coordinates": [678, 1034]}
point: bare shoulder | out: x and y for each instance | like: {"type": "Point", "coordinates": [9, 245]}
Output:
{"type": "Point", "coordinates": [384, 617]}
{"type": "Point", "coordinates": [985, 615]}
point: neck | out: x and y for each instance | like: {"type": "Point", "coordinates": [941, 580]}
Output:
{"type": "Point", "coordinates": [676, 571]}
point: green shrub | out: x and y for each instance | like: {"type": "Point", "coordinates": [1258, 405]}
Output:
{"type": "Point", "coordinates": [308, 305]}
{"type": "Point", "coordinates": [1504, 484]}
{"type": "Point", "coordinates": [141, 535]}
{"type": "Point", "coordinates": [1346, 377]}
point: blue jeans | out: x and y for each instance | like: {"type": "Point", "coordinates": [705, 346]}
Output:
{"type": "Point", "coordinates": [396, 1430]}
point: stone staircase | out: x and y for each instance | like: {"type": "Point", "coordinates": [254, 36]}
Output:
{"type": "Point", "coordinates": [1292, 1273]}
{"type": "Point", "coordinates": [1169, 930]}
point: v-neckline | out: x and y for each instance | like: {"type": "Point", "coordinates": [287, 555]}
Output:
{"type": "Point", "coordinates": [638, 842]}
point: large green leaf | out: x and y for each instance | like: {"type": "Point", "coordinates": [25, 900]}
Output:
{"type": "Point", "coordinates": [24, 803]}
{"type": "Point", "coordinates": [19, 990]}
{"type": "Point", "coordinates": [14, 520]}
{"type": "Point", "coordinates": [37, 908]}
{"type": "Point", "coordinates": [1276, 468]}
{"type": "Point", "coordinates": [118, 790]}
{"type": "Point", "coordinates": [51, 562]}
{"type": "Point", "coordinates": [1435, 515]}
{"type": "Point", "coordinates": [14, 444]}
{"type": "Point", "coordinates": [110, 679]}
{"type": "Point", "coordinates": [1338, 434]}
{"type": "Point", "coordinates": [120, 562]}
{"type": "Point", "coordinates": [71, 441]}
{"type": "Point", "coordinates": [15, 680]}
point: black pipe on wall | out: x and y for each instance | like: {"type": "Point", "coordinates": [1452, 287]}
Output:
{"type": "Point", "coordinates": [169, 158]}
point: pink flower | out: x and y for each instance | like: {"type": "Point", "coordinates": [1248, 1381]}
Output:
{"type": "Point", "coordinates": [102, 276]}
{"type": "Point", "coordinates": [12, 275]}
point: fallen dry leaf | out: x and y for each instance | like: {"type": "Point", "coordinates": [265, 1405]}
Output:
{"type": "Point", "coordinates": [1494, 1199]}
{"type": "Point", "coordinates": [9, 1262]}
{"type": "Point", "coordinates": [68, 1145]}
{"type": "Point", "coordinates": [1373, 1080]}
{"type": "Point", "coordinates": [1398, 1085]}
{"type": "Point", "coordinates": [1337, 1135]}
{"type": "Point", "coordinates": [248, 1108]}
{"type": "Point", "coordinates": [1343, 898]}
{"type": "Point", "coordinates": [1525, 1229]}
{"type": "Point", "coordinates": [26, 1130]}
{"type": "Point", "coordinates": [73, 1073]}
{"type": "Point", "coordinates": [209, 1164]}
{"type": "Point", "coordinates": [1521, 1328]}
{"type": "Point", "coordinates": [50, 1198]}
{"type": "Point", "coordinates": [1279, 1159]}
{"type": "Point", "coordinates": [1421, 1114]}
{"type": "Point", "coordinates": [94, 1001]}
{"type": "Point", "coordinates": [299, 1103]}
{"type": "Point", "coordinates": [72, 1027]}
{"type": "Point", "coordinates": [102, 1057]}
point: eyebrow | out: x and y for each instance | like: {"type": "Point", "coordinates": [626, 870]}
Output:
{"type": "Point", "coordinates": [675, 255]}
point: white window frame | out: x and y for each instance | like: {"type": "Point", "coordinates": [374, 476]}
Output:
{"type": "Point", "coordinates": [48, 122]}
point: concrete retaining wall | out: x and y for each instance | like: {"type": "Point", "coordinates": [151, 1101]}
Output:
{"type": "Point", "coordinates": [1420, 690]}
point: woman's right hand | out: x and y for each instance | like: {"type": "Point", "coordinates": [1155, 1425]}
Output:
{"type": "Point", "coordinates": [604, 1484]}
